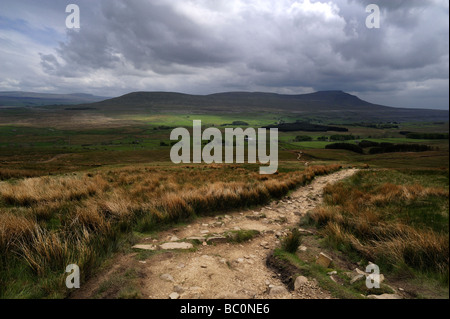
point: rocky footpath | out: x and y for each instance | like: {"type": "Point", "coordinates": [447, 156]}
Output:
{"type": "Point", "coordinates": [225, 256]}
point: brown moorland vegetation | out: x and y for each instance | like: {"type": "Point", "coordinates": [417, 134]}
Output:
{"type": "Point", "coordinates": [404, 227]}
{"type": "Point", "coordinates": [47, 223]}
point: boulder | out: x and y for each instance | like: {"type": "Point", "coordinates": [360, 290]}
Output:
{"type": "Point", "coordinates": [174, 295]}
{"type": "Point", "coordinates": [170, 246]}
{"type": "Point", "coordinates": [360, 272]}
{"type": "Point", "coordinates": [196, 238]}
{"type": "Point", "coordinates": [324, 260]}
{"type": "Point", "coordinates": [278, 290]}
{"type": "Point", "coordinates": [384, 296]}
{"type": "Point", "coordinates": [305, 232]}
{"type": "Point", "coordinates": [265, 245]}
{"type": "Point", "coordinates": [166, 277]}
{"type": "Point", "coordinates": [145, 247]}
{"type": "Point", "coordinates": [300, 281]}
{"type": "Point", "coordinates": [357, 278]}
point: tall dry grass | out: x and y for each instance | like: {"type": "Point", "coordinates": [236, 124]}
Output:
{"type": "Point", "coordinates": [33, 191]}
{"type": "Point", "coordinates": [12, 229]}
{"type": "Point", "coordinates": [369, 221]}
{"type": "Point", "coordinates": [50, 222]}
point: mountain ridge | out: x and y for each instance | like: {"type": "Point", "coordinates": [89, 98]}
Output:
{"type": "Point", "coordinates": [23, 98]}
{"type": "Point", "coordinates": [326, 105]}
{"type": "Point", "coordinates": [241, 97]}
{"type": "Point", "coordinates": [322, 105]}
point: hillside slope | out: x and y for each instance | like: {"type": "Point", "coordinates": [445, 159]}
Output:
{"type": "Point", "coordinates": [323, 104]}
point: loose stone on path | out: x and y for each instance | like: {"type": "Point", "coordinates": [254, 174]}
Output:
{"type": "Point", "coordinates": [170, 246]}
{"type": "Point", "coordinates": [145, 247]}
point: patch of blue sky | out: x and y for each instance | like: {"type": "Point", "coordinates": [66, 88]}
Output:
{"type": "Point", "coordinates": [45, 36]}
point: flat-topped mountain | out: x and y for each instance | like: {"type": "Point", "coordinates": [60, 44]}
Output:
{"type": "Point", "coordinates": [234, 101]}
{"type": "Point", "coordinates": [323, 104]}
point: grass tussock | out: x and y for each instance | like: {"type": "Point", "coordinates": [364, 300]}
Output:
{"type": "Point", "coordinates": [292, 241]}
{"type": "Point", "coordinates": [402, 227]}
{"type": "Point", "coordinates": [47, 223]}
{"type": "Point", "coordinates": [12, 229]}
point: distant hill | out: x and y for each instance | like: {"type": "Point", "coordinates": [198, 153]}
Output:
{"type": "Point", "coordinates": [336, 105]}
{"type": "Point", "coordinates": [15, 98]}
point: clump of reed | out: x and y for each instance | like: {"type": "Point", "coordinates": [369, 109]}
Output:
{"type": "Point", "coordinates": [292, 241]}
{"type": "Point", "coordinates": [369, 220]}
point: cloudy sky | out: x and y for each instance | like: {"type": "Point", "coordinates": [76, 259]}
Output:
{"type": "Point", "coordinates": [209, 46]}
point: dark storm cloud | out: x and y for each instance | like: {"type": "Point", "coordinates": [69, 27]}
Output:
{"type": "Point", "coordinates": [412, 36]}
{"type": "Point", "coordinates": [148, 35]}
{"type": "Point", "coordinates": [403, 5]}
{"type": "Point", "coordinates": [49, 63]}
{"type": "Point", "coordinates": [287, 46]}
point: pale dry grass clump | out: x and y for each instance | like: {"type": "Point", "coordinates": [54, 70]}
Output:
{"type": "Point", "coordinates": [389, 193]}
{"type": "Point", "coordinates": [276, 188]}
{"type": "Point", "coordinates": [45, 211]}
{"type": "Point", "coordinates": [48, 250]}
{"type": "Point", "coordinates": [393, 244]}
{"type": "Point", "coordinates": [426, 251]}
{"type": "Point", "coordinates": [12, 229]}
{"type": "Point", "coordinates": [174, 207]}
{"type": "Point", "coordinates": [337, 234]}
{"type": "Point", "coordinates": [33, 191]}
{"type": "Point", "coordinates": [90, 218]}
{"type": "Point", "coordinates": [43, 249]}
{"type": "Point", "coordinates": [115, 205]}
{"type": "Point", "coordinates": [356, 219]}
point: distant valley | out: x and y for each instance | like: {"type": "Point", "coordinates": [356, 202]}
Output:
{"type": "Point", "coordinates": [15, 99]}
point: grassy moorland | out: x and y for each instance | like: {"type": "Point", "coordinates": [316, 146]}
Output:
{"type": "Point", "coordinates": [64, 145]}
{"type": "Point", "coordinates": [396, 218]}
{"type": "Point", "coordinates": [47, 222]}
{"type": "Point", "coordinates": [75, 189]}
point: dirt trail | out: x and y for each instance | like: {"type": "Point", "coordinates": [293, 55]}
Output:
{"type": "Point", "coordinates": [54, 158]}
{"type": "Point", "coordinates": [227, 270]}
